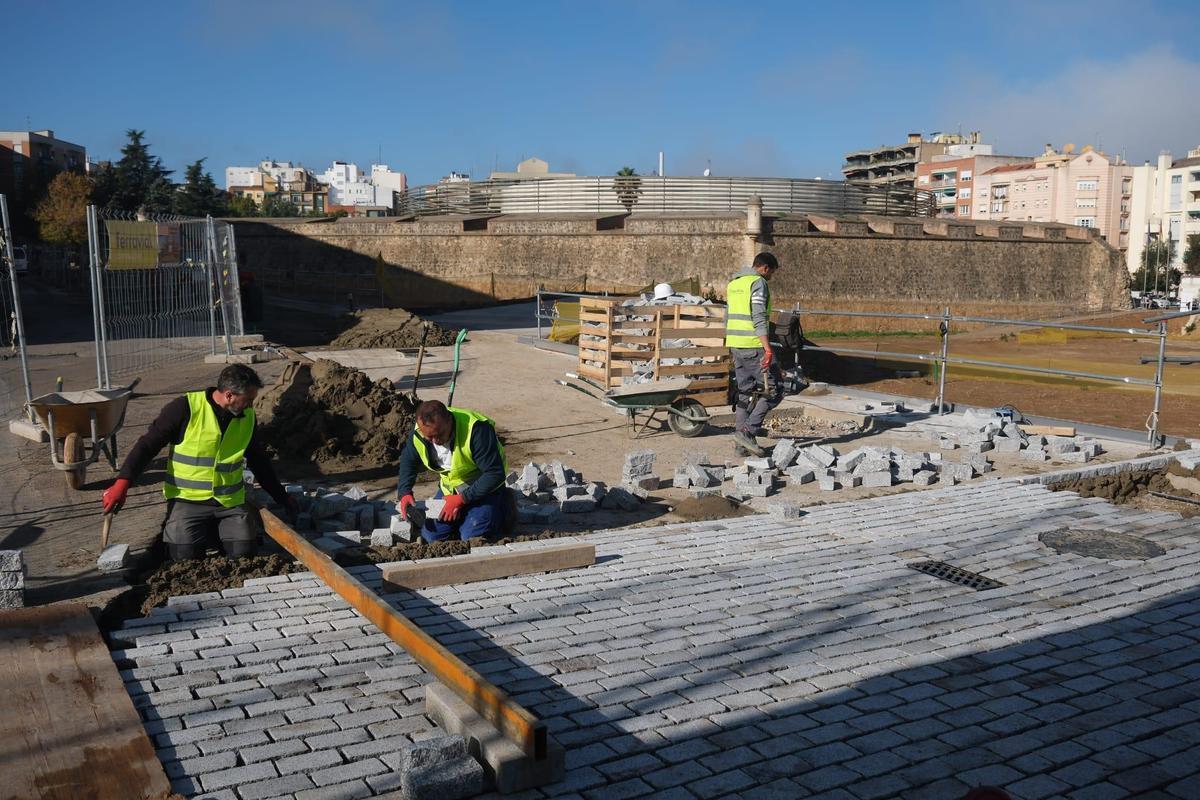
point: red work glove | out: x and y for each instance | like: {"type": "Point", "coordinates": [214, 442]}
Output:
{"type": "Point", "coordinates": [453, 508]}
{"type": "Point", "coordinates": [406, 502]}
{"type": "Point", "coordinates": [114, 496]}
{"type": "Point", "coordinates": [768, 358]}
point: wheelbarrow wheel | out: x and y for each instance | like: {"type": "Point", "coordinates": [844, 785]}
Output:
{"type": "Point", "coordinates": [681, 424]}
{"type": "Point", "coordinates": [73, 454]}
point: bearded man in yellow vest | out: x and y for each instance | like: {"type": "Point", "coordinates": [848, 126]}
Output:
{"type": "Point", "coordinates": [212, 439]}
{"type": "Point", "coordinates": [747, 331]}
{"type": "Point", "coordinates": [461, 446]}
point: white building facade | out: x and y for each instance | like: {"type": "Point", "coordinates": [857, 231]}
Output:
{"type": "Point", "coordinates": [349, 186]}
{"type": "Point", "coordinates": [287, 176]}
{"type": "Point", "coordinates": [1165, 205]}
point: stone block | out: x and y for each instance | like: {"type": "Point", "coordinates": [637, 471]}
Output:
{"type": "Point", "coordinates": [948, 443]}
{"type": "Point", "coordinates": [454, 780]}
{"type": "Point", "coordinates": [434, 506]}
{"type": "Point", "coordinates": [348, 519]}
{"type": "Point", "coordinates": [852, 459]}
{"type": "Point", "coordinates": [904, 474]}
{"type": "Point", "coordinates": [785, 510]}
{"type": "Point", "coordinates": [12, 580]}
{"type": "Point", "coordinates": [330, 505]}
{"type": "Point", "coordinates": [1077, 457]}
{"type": "Point", "coordinates": [546, 514]}
{"type": "Point", "coordinates": [113, 557]}
{"type": "Point", "coordinates": [1093, 449]}
{"type": "Point", "coordinates": [350, 537]}
{"type": "Point", "coordinates": [330, 544]}
{"type": "Point", "coordinates": [304, 522]}
{"type": "Point", "coordinates": [1059, 447]}
{"type": "Point", "coordinates": [871, 465]}
{"type": "Point", "coordinates": [638, 463]}
{"type": "Point", "coordinates": [1005, 444]}
{"type": "Point", "coordinates": [783, 454]}
{"type": "Point", "coordinates": [1188, 460]}
{"type": "Point", "coordinates": [28, 430]}
{"type": "Point", "coordinates": [12, 598]}
{"type": "Point", "coordinates": [694, 457]}
{"type": "Point", "coordinates": [958, 472]}
{"type": "Point", "coordinates": [596, 491]}
{"type": "Point", "coordinates": [11, 561]}
{"type": "Point", "coordinates": [924, 477]}
{"type": "Point", "coordinates": [647, 483]}
{"type": "Point", "coordinates": [1033, 454]}
{"type": "Point", "coordinates": [619, 498]}
{"type": "Point", "coordinates": [430, 752]}
{"type": "Point", "coordinates": [827, 483]}
{"type": "Point", "coordinates": [758, 464]}
{"type": "Point", "coordinates": [876, 480]}
{"type": "Point", "coordinates": [568, 491]}
{"type": "Point", "coordinates": [752, 488]}
{"type": "Point", "coordinates": [327, 525]}
{"type": "Point", "coordinates": [821, 456]}
{"type": "Point", "coordinates": [558, 473]}
{"type": "Point", "coordinates": [977, 446]}
{"type": "Point", "coordinates": [366, 517]}
{"type": "Point", "coordinates": [800, 475]}
{"type": "Point", "coordinates": [294, 488]}
{"type": "Point", "coordinates": [578, 505]}
{"type": "Point", "coordinates": [355, 493]}
{"type": "Point", "coordinates": [979, 463]}
{"type": "Point", "coordinates": [704, 491]}
{"type": "Point", "coordinates": [382, 537]}
{"type": "Point", "coordinates": [530, 480]}
{"type": "Point", "coordinates": [702, 477]}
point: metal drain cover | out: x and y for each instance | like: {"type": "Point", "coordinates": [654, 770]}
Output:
{"type": "Point", "coordinates": [949, 572]}
{"type": "Point", "coordinates": [1107, 545]}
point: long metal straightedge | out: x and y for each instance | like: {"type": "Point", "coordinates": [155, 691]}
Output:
{"type": "Point", "coordinates": [511, 719]}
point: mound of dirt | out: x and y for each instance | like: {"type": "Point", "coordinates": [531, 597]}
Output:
{"type": "Point", "coordinates": [390, 327]}
{"type": "Point", "coordinates": [1134, 488]}
{"type": "Point", "coordinates": [327, 417]}
{"type": "Point", "coordinates": [700, 509]}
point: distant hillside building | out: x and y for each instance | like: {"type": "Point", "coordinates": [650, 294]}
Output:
{"type": "Point", "coordinates": [1089, 189]}
{"type": "Point", "coordinates": [896, 165]}
{"type": "Point", "coordinates": [357, 193]}
{"type": "Point", "coordinates": [951, 177]}
{"type": "Point", "coordinates": [530, 168]}
{"type": "Point", "coordinates": [292, 182]}
{"type": "Point", "coordinates": [1165, 205]}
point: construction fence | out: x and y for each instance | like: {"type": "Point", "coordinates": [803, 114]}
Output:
{"type": "Point", "coordinates": [14, 363]}
{"type": "Point", "coordinates": [164, 290]}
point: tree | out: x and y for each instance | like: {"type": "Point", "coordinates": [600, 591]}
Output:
{"type": "Point", "coordinates": [242, 206]}
{"type": "Point", "coordinates": [62, 215]}
{"type": "Point", "coordinates": [1191, 256]}
{"type": "Point", "coordinates": [277, 206]}
{"type": "Point", "coordinates": [1156, 274]}
{"type": "Point", "coordinates": [628, 186]}
{"type": "Point", "coordinates": [140, 180]}
{"type": "Point", "coordinates": [199, 195]}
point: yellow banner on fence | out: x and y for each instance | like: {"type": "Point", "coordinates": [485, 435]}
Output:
{"type": "Point", "coordinates": [132, 245]}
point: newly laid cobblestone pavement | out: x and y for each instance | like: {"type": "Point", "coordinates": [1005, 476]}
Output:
{"type": "Point", "coordinates": [751, 657]}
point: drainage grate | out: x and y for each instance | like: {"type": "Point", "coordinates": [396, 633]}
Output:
{"type": "Point", "coordinates": [948, 572]}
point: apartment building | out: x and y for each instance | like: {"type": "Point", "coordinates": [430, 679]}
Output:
{"type": "Point", "coordinates": [951, 178]}
{"type": "Point", "coordinates": [1089, 189]}
{"type": "Point", "coordinates": [1165, 205]}
{"type": "Point", "coordinates": [26, 154]}
{"type": "Point", "coordinates": [355, 192]}
{"type": "Point", "coordinates": [896, 165]}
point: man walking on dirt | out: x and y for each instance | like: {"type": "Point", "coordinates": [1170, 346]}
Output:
{"type": "Point", "coordinates": [212, 437]}
{"type": "Point", "coordinates": [747, 328]}
{"type": "Point", "coordinates": [462, 448]}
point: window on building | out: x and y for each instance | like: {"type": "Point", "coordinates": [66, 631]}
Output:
{"type": "Point", "coordinates": [964, 193]}
{"type": "Point", "coordinates": [999, 191]}
{"type": "Point", "coordinates": [1088, 185]}
{"type": "Point", "coordinates": [964, 211]}
{"type": "Point", "coordinates": [1085, 202]}
{"type": "Point", "coordinates": [1176, 194]}
{"type": "Point", "coordinates": [1085, 222]}
{"type": "Point", "coordinates": [965, 176]}
{"type": "Point", "coordinates": [998, 207]}
{"type": "Point", "coordinates": [1127, 186]}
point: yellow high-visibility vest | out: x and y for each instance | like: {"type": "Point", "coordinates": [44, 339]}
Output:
{"type": "Point", "coordinates": [739, 322]}
{"type": "Point", "coordinates": [207, 463]}
{"type": "Point", "coordinates": [462, 468]}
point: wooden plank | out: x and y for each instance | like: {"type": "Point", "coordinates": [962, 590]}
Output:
{"type": "Point", "coordinates": [67, 726]}
{"type": "Point", "coordinates": [487, 563]}
{"type": "Point", "coordinates": [694, 369]}
{"type": "Point", "coordinates": [1048, 430]}
{"type": "Point", "coordinates": [710, 399]}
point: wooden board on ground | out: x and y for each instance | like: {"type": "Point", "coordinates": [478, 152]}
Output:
{"type": "Point", "coordinates": [67, 726]}
{"type": "Point", "coordinates": [485, 564]}
{"type": "Point", "coordinates": [1048, 430]}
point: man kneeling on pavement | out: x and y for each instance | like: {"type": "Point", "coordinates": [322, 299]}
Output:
{"type": "Point", "coordinates": [212, 437]}
{"type": "Point", "coordinates": [462, 448]}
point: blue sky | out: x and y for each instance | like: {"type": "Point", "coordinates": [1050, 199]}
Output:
{"type": "Point", "coordinates": [771, 88]}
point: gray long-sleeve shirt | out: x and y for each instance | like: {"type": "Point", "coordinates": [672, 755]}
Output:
{"type": "Point", "coordinates": [760, 295]}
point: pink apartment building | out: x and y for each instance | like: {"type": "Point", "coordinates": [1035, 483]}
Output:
{"type": "Point", "coordinates": [952, 181]}
{"type": "Point", "coordinates": [1088, 189]}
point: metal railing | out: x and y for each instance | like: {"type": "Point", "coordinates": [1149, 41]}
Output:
{"type": "Point", "coordinates": [647, 193]}
{"type": "Point", "coordinates": [547, 311]}
{"type": "Point", "coordinates": [164, 289]}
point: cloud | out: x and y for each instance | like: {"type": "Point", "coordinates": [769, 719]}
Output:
{"type": "Point", "coordinates": [1137, 106]}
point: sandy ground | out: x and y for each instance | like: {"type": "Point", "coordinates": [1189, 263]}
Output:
{"type": "Point", "coordinates": [58, 528]}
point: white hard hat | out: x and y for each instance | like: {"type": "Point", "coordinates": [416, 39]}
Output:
{"type": "Point", "coordinates": [663, 290]}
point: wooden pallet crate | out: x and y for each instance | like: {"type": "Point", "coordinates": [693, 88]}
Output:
{"type": "Point", "coordinates": [625, 343]}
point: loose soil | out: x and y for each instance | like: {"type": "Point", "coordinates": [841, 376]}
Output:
{"type": "Point", "coordinates": [389, 327]}
{"type": "Point", "coordinates": [808, 428]}
{"type": "Point", "coordinates": [1133, 488]}
{"type": "Point", "coordinates": [325, 418]}
{"type": "Point", "coordinates": [703, 509]}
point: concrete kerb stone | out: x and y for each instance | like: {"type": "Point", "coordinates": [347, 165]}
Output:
{"type": "Point", "coordinates": [114, 557]}
{"type": "Point", "coordinates": [505, 764]}
{"type": "Point", "coordinates": [1103, 470]}
{"type": "Point", "coordinates": [12, 579]}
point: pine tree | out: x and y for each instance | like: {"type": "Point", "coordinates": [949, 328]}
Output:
{"type": "Point", "coordinates": [141, 181]}
{"type": "Point", "coordinates": [199, 194]}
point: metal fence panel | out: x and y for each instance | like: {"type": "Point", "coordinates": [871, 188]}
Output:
{"type": "Point", "coordinates": [15, 386]}
{"type": "Point", "coordinates": [165, 290]}
{"type": "Point", "coordinates": [619, 194]}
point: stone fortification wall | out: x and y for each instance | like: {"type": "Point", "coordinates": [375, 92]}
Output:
{"type": "Point", "coordinates": [1026, 270]}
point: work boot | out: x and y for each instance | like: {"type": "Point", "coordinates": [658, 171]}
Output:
{"type": "Point", "coordinates": [747, 442]}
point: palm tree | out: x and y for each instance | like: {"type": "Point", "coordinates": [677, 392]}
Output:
{"type": "Point", "coordinates": [628, 186]}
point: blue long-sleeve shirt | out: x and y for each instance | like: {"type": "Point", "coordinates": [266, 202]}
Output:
{"type": "Point", "coordinates": [485, 450]}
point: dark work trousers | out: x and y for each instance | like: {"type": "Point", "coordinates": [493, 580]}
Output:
{"type": "Point", "coordinates": [484, 517]}
{"type": "Point", "coordinates": [192, 527]}
{"type": "Point", "coordinates": [747, 371]}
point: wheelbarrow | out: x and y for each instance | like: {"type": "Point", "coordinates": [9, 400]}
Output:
{"type": "Point", "coordinates": [642, 403]}
{"type": "Point", "coordinates": [77, 421]}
